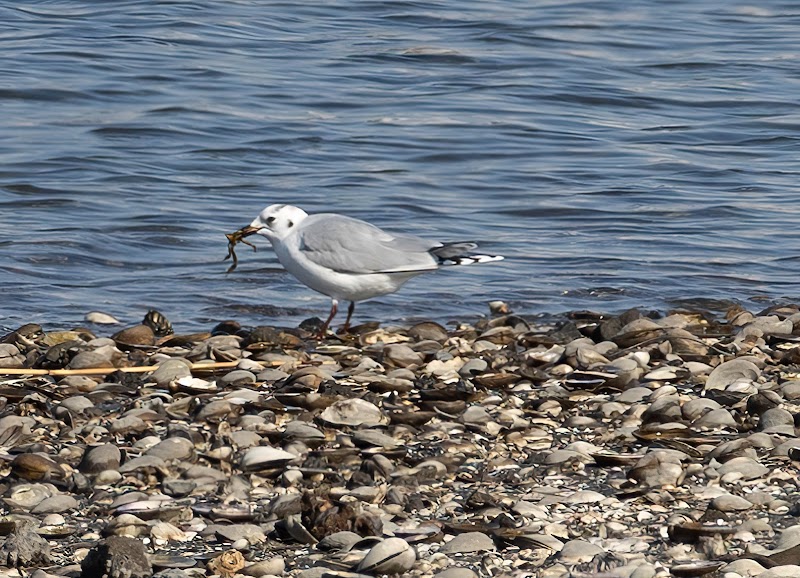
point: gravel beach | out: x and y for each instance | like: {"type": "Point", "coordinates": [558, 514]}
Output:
{"type": "Point", "coordinates": [622, 446]}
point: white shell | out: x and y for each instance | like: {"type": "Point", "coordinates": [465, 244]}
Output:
{"type": "Point", "coordinates": [353, 412]}
{"type": "Point", "coordinates": [265, 457]}
{"type": "Point", "coordinates": [392, 556]}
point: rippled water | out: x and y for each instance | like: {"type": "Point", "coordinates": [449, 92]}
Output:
{"type": "Point", "coordinates": [619, 154]}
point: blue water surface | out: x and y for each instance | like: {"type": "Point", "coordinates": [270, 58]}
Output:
{"type": "Point", "coordinates": [619, 154]}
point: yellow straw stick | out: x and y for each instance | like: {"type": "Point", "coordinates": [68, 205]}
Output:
{"type": "Point", "coordinates": [107, 370]}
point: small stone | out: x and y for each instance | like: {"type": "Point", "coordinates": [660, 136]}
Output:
{"type": "Point", "coordinates": [171, 573]}
{"type": "Point", "coordinates": [34, 467]}
{"type": "Point", "coordinates": [271, 375]}
{"type": "Point", "coordinates": [137, 335]}
{"type": "Point", "coordinates": [303, 431]}
{"type": "Point", "coordinates": [468, 542]}
{"type": "Point", "coordinates": [391, 556]}
{"type": "Point", "coordinates": [262, 458]}
{"type": "Point", "coordinates": [100, 318]}
{"type": "Point", "coordinates": [748, 468]}
{"type": "Point", "coordinates": [338, 541]}
{"type": "Point", "coordinates": [561, 456]}
{"type": "Point", "coordinates": [174, 448]}
{"type": "Point", "coordinates": [579, 552]}
{"type": "Point", "coordinates": [56, 504]}
{"type": "Point", "coordinates": [127, 424]}
{"type": "Point", "coordinates": [178, 488]}
{"type": "Point", "coordinates": [428, 330]}
{"type": "Point", "coordinates": [456, 572]}
{"type": "Point", "coordinates": [91, 359]}
{"type": "Point", "coordinates": [100, 458]}
{"type": "Point", "coordinates": [117, 557]}
{"type": "Point", "coordinates": [645, 571]}
{"type": "Point", "coordinates": [399, 355]}
{"type": "Point", "coordinates": [473, 367]}
{"type": "Point", "coordinates": [584, 497]}
{"type": "Point", "coordinates": [657, 468]}
{"type": "Point", "coordinates": [730, 372]}
{"type": "Point", "coordinates": [633, 395]}
{"type": "Point", "coordinates": [244, 439]}
{"type": "Point", "coordinates": [216, 411]}
{"type": "Point", "coordinates": [791, 389]}
{"type": "Point", "coordinates": [353, 412]}
{"type": "Point", "coordinates": [730, 503]}
{"type": "Point", "coordinates": [170, 370]}
{"type": "Point", "coordinates": [237, 377]}
{"type": "Point", "coordinates": [274, 566]}
{"type": "Point", "coordinates": [10, 356]}
{"type": "Point", "coordinates": [167, 532]}
{"type": "Point", "coordinates": [775, 418]}
{"type": "Point", "coordinates": [250, 532]}
{"type": "Point", "coordinates": [697, 407]}
{"type": "Point", "coordinates": [788, 571]}
{"type": "Point", "coordinates": [77, 404]}
{"type": "Point", "coordinates": [743, 567]}
{"type": "Point", "coordinates": [372, 438]}
{"type": "Point", "coordinates": [717, 418]}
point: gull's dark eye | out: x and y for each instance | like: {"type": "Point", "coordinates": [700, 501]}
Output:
{"type": "Point", "coordinates": [270, 220]}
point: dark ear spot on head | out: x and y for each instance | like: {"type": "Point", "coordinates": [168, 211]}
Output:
{"type": "Point", "coordinates": [290, 224]}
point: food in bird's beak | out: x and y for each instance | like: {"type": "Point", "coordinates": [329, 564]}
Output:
{"type": "Point", "coordinates": [238, 237]}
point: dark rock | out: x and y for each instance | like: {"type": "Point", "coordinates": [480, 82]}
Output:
{"type": "Point", "coordinates": [229, 327]}
{"type": "Point", "coordinates": [24, 547]}
{"type": "Point", "coordinates": [34, 467]}
{"type": "Point", "coordinates": [136, 335]}
{"type": "Point", "coordinates": [117, 557]}
{"type": "Point", "coordinates": [428, 330]}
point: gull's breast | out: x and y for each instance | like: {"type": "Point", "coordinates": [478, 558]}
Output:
{"type": "Point", "coordinates": [336, 284]}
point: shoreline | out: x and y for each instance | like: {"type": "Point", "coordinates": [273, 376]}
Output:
{"type": "Point", "coordinates": [613, 445]}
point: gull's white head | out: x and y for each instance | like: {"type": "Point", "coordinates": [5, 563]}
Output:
{"type": "Point", "coordinates": [277, 221]}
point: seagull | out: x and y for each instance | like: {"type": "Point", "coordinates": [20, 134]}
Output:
{"type": "Point", "coordinates": [351, 260]}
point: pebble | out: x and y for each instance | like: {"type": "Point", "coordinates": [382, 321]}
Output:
{"type": "Point", "coordinates": [100, 318]}
{"type": "Point", "coordinates": [467, 543]}
{"type": "Point", "coordinates": [786, 571]}
{"type": "Point", "coordinates": [730, 372]}
{"type": "Point", "coordinates": [390, 556]}
{"type": "Point", "coordinates": [585, 444]}
{"type": "Point", "coordinates": [100, 458]}
{"type": "Point", "coordinates": [730, 503]}
{"type": "Point", "coordinates": [456, 572]}
{"type": "Point", "coordinates": [261, 457]}
{"type": "Point", "coordinates": [773, 421]}
{"type": "Point", "coordinates": [117, 557]}
{"type": "Point", "coordinates": [274, 566]}
{"type": "Point", "coordinates": [173, 448]}
{"type": "Point", "coordinates": [55, 505]}
{"type": "Point", "coordinates": [746, 467]}
{"type": "Point", "coordinates": [169, 371]}
{"type": "Point", "coordinates": [579, 552]}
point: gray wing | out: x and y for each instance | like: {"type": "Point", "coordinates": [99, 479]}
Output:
{"type": "Point", "coordinates": [349, 245]}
